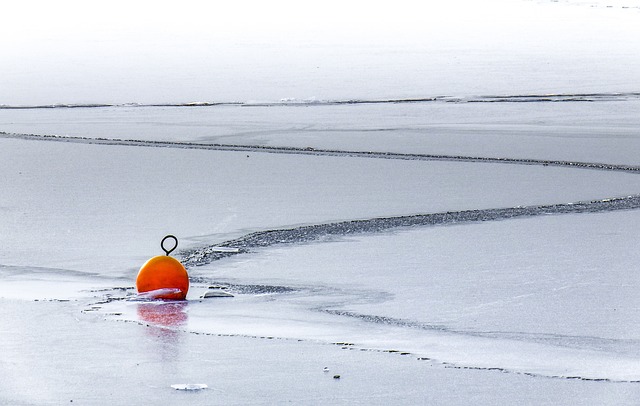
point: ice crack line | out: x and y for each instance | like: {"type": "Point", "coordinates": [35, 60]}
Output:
{"type": "Point", "coordinates": [322, 152]}
{"type": "Point", "coordinates": [508, 98]}
{"type": "Point", "coordinates": [205, 255]}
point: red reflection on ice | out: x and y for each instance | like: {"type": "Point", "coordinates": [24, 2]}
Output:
{"type": "Point", "coordinates": [164, 314]}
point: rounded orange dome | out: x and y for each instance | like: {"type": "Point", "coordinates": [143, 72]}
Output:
{"type": "Point", "coordinates": [163, 273]}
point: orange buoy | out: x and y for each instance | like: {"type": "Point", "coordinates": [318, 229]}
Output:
{"type": "Point", "coordinates": [163, 277]}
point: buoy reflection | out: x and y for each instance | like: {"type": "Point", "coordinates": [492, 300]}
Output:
{"type": "Point", "coordinates": [163, 314]}
{"type": "Point", "coordinates": [163, 325]}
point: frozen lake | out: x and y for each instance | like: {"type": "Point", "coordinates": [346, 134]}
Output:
{"type": "Point", "coordinates": [443, 210]}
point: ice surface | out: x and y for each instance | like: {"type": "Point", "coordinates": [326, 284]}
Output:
{"type": "Point", "coordinates": [473, 296]}
{"type": "Point", "coordinates": [53, 353]}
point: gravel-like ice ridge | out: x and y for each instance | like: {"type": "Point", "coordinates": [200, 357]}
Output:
{"type": "Point", "coordinates": [205, 255]}
{"type": "Point", "coordinates": [322, 152]}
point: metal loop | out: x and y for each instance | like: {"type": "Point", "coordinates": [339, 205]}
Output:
{"type": "Point", "coordinates": [169, 251]}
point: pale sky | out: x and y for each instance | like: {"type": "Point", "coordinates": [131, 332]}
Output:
{"type": "Point", "coordinates": [125, 51]}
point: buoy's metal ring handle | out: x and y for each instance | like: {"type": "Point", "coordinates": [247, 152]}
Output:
{"type": "Point", "coordinates": [169, 251]}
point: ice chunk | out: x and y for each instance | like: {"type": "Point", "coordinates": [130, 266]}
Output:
{"type": "Point", "coordinates": [189, 386]}
{"type": "Point", "coordinates": [158, 293]}
{"type": "Point", "coordinates": [216, 293]}
{"type": "Point", "coordinates": [225, 249]}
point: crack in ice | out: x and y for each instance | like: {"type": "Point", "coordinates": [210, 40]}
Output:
{"type": "Point", "coordinates": [322, 152]}
{"type": "Point", "coordinates": [207, 254]}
